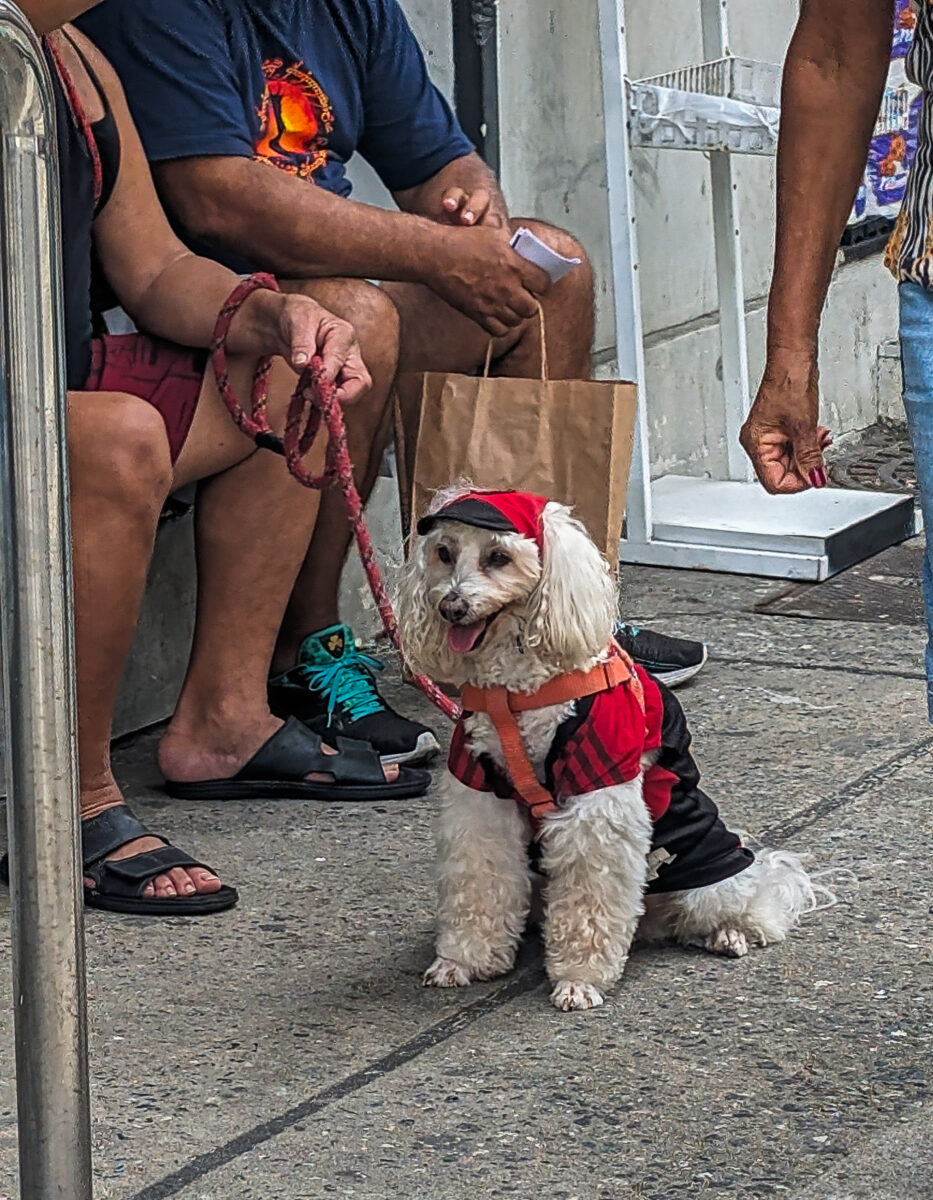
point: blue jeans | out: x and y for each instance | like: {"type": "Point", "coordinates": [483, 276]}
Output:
{"type": "Point", "coordinates": [917, 362]}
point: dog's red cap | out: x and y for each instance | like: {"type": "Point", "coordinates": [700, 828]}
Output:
{"type": "Point", "coordinates": [509, 512]}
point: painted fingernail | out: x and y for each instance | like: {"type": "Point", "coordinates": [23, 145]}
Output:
{"type": "Point", "coordinates": [818, 477]}
{"type": "Point", "coordinates": [301, 359]}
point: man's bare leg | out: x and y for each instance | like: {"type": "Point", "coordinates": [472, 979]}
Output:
{"type": "Point", "coordinates": [435, 337]}
{"type": "Point", "coordinates": [254, 523]}
{"type": "Point", "coordinates": [313, 605]}
{"type": "Point", "coordinates": [121, 473]}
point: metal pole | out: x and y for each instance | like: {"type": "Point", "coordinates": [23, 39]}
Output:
{"type": "Point", "coordinates": [624, 243]}
{"type": "Point", "coordinates": [729, 280]}
{"type": "Point", "coordinates": [37, 623]}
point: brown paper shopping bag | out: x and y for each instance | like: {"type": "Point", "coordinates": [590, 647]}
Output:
{"type": "Point", "coordinates": [569, 439]}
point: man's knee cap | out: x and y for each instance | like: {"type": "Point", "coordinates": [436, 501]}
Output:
{"type": "Point", "coordinates": [372, 312]}
{"type": "Point", "coordinates": [376, 321]}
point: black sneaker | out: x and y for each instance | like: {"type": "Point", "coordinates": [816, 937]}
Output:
{"type": "Point", "coordinates": [332, 690]}
{"type": "Point", "coordinates": [672, 660]}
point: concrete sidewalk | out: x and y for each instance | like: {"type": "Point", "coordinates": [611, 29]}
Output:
{"type": "Point", "coordinates": [287, 1050]}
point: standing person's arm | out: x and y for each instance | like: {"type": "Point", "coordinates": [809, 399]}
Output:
{"type": "Point", "coordinates": [833, 81]}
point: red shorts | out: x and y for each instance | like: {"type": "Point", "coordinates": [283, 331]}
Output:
{"type": "Point", "coordinates": [164, 375]}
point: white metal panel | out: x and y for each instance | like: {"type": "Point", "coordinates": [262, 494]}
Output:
{"type": "Point", "coordinates": [624, 249]}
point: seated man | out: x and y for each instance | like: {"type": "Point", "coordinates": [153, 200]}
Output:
{"type": "Point", "coordinates": [249, 111]}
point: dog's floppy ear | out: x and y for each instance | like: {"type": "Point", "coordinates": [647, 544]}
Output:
{"type": "Point", "coordinates": [574, 609]}
{"type": "Point", "coordinates": [416, 621]}
{"type": "Point", "coordinates": [423, 633]}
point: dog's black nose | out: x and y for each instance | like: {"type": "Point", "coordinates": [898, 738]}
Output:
{"type": "Point", "coordinates": [453, 607]}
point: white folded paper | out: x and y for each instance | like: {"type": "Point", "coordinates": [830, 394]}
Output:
{"type": "Point", "coordinates": [530, 247]}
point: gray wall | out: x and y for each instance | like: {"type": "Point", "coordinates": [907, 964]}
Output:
{"type": "Point", "coordinates": [554, 166]}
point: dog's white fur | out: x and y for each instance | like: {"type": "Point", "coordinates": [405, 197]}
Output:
{"type": "Point", "coordinates": [556, 614]}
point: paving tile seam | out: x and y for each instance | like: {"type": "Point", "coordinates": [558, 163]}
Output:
{"type": "Point", "coordinates": [852, 791]}
{"type": "Point", "coordinates": [526, 980]}
{"type": "Point", "coordinates": [871, 672]}
{"type": "Point", "coordinates": [716, 614]}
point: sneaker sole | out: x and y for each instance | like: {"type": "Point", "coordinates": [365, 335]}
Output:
{"type": "Point", "coordinates": [674, 679]}
{"type": "Point", "coordinates": [426, 747]}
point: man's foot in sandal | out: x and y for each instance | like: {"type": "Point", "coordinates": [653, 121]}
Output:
{"type": "Point", "coordinates": [292, 763]}
{"type": "Point", "coordinates": [127, 870]}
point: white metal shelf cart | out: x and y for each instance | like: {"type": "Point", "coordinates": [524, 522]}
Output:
{"type": "Point", "coordinates": [721, 107]}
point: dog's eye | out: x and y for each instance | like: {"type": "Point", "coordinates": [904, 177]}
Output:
{"type": "Point", "coordinates": [498, 559]}
{"type": "Point", "coordinates": [444, 555]}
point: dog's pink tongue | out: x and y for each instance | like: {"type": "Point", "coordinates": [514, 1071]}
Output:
{"type": "Point", "coordinates": [462, 638]}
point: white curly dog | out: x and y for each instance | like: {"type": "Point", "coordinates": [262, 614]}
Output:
{"type": "Point", "coordinates": [508, 591]}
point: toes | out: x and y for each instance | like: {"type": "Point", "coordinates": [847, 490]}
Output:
{"type": "Point", "coordinates": [445, 973]}
{"type": "Point", "coordinates": [164, 887]}
{"type": "Point", "coordinates": [569, 996]}
{"type": "Point", "coordinates": [182, 882]}
{"type": "Point", "coordinates": [204, 881]}
{"type": "Point", "coordinates": [391, 773]}
{"type": "Point", "coordinates": [731, 943]}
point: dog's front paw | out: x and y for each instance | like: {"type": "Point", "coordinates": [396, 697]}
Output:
{"type": "Point", "coordinates": [732, 943]}
{"type": "Point", "coordinates": [446, 973]}
{"type": "Point", "coordinates": [575, 997]}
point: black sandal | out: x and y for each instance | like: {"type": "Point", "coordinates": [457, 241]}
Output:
{"type": "Point", "coordinates": [277, 772]}
{"type": "Point", "coordinates": [118, 886]}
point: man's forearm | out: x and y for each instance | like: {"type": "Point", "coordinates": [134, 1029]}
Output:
{"type": "Point", "coordinates": [468, 173]}
{"type": "Point", "coordinates": [290, 227]}
{"type": "Point", "coordinates": [833, 80]}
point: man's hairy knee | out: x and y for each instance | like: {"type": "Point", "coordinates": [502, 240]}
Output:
{"type": "Point", "coordinates": [365, 305]}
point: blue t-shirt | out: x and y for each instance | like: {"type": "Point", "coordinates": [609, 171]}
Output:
{"type": "Point", "coordinates": [298, 84]}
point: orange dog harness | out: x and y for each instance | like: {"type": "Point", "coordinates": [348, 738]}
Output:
{"type": "Point", "coordinates": [502, 706]}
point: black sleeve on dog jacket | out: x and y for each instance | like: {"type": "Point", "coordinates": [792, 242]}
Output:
{"type": "Point", "coordinates": [691, 846]}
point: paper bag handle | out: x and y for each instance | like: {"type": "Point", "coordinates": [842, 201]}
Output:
{"type": "Point", "coordinates": [544, 373]}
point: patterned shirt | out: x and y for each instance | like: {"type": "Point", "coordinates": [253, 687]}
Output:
{"type": "Point", "coordinates": [910, 250]}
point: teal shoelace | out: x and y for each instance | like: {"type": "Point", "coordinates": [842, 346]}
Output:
{"type": "Point", "coordinates": [347, 682]}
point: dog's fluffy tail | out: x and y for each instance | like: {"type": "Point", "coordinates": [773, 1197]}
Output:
{"type": "Point", "coordinates": [765, 901]}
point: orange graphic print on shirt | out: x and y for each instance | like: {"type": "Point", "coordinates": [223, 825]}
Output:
{"type": "Point", "coordinates": [295, 117]}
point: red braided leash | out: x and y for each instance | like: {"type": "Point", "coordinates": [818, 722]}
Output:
{"type": "Point", "coordinates": [313, 403]}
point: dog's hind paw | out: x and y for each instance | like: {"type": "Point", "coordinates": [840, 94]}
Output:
{"type": "Point", "coordinates": [732, 943]}
{"type": "Point", "coordinates": [445, 973]}
{"type": "Point", "coordinates": [575, 997]}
